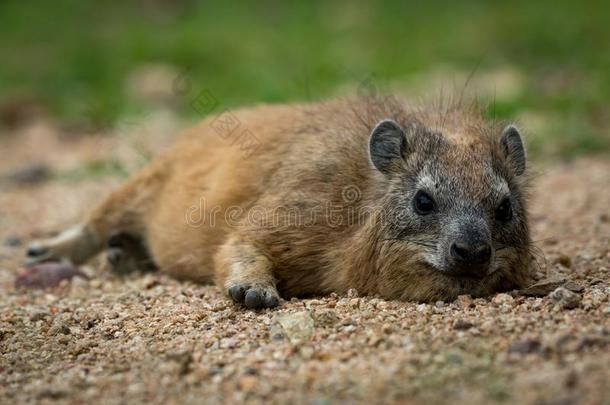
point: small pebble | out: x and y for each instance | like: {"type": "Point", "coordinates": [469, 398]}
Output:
{"type": "Point", "coordinates": [500, 299]}
{"type": "Point", "coordinates": [462, 324]}
{"type": "Point", "coordinates": [33, 174]}
{"type": "Point", "coordinates": [464, 301]}
{"type": "Point", "coordinates": [46, 275]}
{"type": "Point", "coordinates": [13, 241]}
{"type": "Point", "coordinates": [574, 287]}
{"type": "Point", "coordinates": [565, 261]}
{"type": "Point", "coordinates": [40, 315]}
{"type": "Point", "coordinates": [326, 318]}
{"type": "Point", "coordinates": [525, 346]}
{"type": "Point", "coordinates": [565, 299]}
{"type": "Point", "coordinates": [297, 326]}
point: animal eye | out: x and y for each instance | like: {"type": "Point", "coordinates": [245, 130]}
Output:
{"type": "Point", "coordinates": [504, 212]}
{"type": "Point", "coordinates": [423, 203]}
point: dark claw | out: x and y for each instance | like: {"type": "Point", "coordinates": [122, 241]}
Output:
{"type": "Point", "coordinates": [114, 256]}
{"type": "Point", "coordinates": [271, 301]}
{"type": "Point", "coordinates": [237, 292]}
{"type": "Point", "coordinates": [36, 250]}
{"type": "Point", "coordinates": [254, 299]}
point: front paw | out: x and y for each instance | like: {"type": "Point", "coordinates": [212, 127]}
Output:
{"type": "Point", "coordinates": [253, 296]}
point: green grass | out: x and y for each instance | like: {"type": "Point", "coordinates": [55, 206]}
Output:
{"type": "Point", "coordinates": [75, 56]}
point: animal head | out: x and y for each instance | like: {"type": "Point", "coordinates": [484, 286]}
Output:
{"type": "Point", "coordinates": [453, 219]}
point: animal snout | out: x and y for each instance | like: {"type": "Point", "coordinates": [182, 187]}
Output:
{"type": "Point", "coordinates": [471, 257]}
{"type": "Point", "coordinates": [466, 253]}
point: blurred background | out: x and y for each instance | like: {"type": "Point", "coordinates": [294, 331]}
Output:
{"type": "Point", "coordinates": [90, 90]}
{"type": "Point", "coordinates": [90, 68]}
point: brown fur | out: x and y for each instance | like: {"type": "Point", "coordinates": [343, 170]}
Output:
{"type": "Point", "coordinates": [311, 157]}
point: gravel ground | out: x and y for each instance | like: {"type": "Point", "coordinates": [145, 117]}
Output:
{"type": "Point", "coordinates": [149, 338]}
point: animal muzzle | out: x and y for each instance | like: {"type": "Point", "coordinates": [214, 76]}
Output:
{"type": "Point", "coordinates": [470, 251]}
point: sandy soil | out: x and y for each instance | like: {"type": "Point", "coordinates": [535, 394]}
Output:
{"type": "Point", "coordinates": [139, 338]}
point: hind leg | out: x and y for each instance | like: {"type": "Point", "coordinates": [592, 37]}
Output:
{"type": "Point", "coordinates": [123, 211]}
{"type": "Point", "coordinates": [75, 244]}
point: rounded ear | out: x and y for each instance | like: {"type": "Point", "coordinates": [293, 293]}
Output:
{"type": "Point", "coordinates": [387, 146]}
{"type": "Point", "coordinates": [512, 146]}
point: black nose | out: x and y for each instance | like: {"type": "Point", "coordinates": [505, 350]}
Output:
{"type": "Point", "coordinates": [465, 253]}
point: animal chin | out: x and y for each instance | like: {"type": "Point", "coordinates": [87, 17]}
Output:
{"type": "Point", "coordinates": [446, 283]}
{"type": "Point", "coordinates": [455, 272]}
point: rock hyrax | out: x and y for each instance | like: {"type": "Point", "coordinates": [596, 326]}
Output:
{"type": "Point", "coordinates": [404, 202]}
